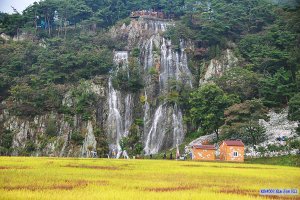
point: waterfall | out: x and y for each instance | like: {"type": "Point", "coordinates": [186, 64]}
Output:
{"type": "Point", "coordinates": [118, 126]}
{"type": "Point", "coordinates": [120, 109]}
{"type": "Point", "coordinates": [148, 61]}
{"type": "Point", "coordinates": [154, 137]}
{"type": "Point", "coordinates": [165, 127]}
{"type": "Point", "coordinates": [173, 65]}
{"type": "Point", "coordinates": [128, 113]}
{"type": "Point", "coordinates": [177, 124]}
{"type": "Point", "coordinates": [146, 117]}
{"type": "Point", "coordinates": [155, 26]}
{"type": "Point", "coordinates": [114, 121]}
{"type": "Point", "coordinates": [163, 76]}
{"type": "Point", "coordinates": [121, 59]}
{"type": "Point", "coordinates": [165, 117]}
{"type": "Point", "coordinates": [163, 122]}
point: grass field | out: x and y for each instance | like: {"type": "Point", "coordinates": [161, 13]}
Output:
{"type": "Point", "coordinates": [288, 160]}
{"type": "Point", "coordinates": [68, 178]}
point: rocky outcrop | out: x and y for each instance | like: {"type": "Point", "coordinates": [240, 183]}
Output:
{"type": "Point", "coordinates": [19, 37]}
{"type": "Point", "coordinates": [278, 130]}
{"type": "Point", "coordinates": [140, 30]}
{"type": "Point", "coordinates": [38, 131]}
{"type": "Point", "coordinates": [206, 139]}
{"type": "Point", "coordinates": [5, 37]}
{"type": "Point", "coordinates": [217, 66]}
{"type": "Point", "coordinates": [279, 125]}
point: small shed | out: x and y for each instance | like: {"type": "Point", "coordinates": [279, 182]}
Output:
{"type": "Point", "coordinates": [232, 150]}
{"type": "Point", "coordinates": [204, 152]}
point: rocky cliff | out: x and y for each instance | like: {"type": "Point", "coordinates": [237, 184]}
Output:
{"type": "Point", "coordinates": [115, 110]}
{"type": "Point", "coordinates": [160, 65]}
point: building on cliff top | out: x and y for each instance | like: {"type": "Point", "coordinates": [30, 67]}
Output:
{"type": "Point", "coordinates": [147, 14]}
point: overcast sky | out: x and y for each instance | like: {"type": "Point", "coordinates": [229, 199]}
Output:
{"type": "Point", "coordinates": [20, 5]}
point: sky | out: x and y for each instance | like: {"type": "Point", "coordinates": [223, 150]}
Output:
{"type": "Point", "coordinates": [20, 5]}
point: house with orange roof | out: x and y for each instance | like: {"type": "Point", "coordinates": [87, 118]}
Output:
{"type": "Point", "coordinates": [232, 150]}
{"type": "Point", "coordinates": [203, 152]}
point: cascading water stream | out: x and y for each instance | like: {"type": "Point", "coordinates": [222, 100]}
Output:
{"type": "Point", "coordinates": [128, 114]}
{"type": "Point", "coordinates": [115, 125]}
{"type": "Point", "coordinates": [153, 138]}
{"type": "Point", "coordinates": [177, 124]}
{"type": "Point", "coordinates": [146, 117]}
{"type": "Point", "coordinates": [148, 61]}
{"type": "Point", "coordinates": [163, 63]}
{"type": "Point", "coordinates": [119, 124]}
{"type": "Point", "coordinates": [166, 123]}
{"type": "Point", "coordinates": [163, 124]}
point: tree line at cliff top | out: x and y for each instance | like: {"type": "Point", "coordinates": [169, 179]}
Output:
{"type": "Point", "coordinates": [57, 14]}
{"type": "Point", "coordinates": [70, 42]}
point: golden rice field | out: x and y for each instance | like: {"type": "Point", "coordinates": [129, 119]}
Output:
{"type": "Point", "coordinates": [70, 178]}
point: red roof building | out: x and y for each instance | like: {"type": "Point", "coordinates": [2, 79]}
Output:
{"type": "Point", "coordinates": [204, 152]}
{"type": "Point", "coordinates": [232, 150]}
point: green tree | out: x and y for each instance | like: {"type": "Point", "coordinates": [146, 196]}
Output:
{"type": "Point", "coordinates": [207, 108]}
{"type": "Point", "coordinates": [134, 139]}
{"type": "Point", "coordinates": [29, 148]}
{"type": "Point", "coordinates": [46, 11]}
{"type": "Point", "coordinates": [51, 128]}
{"type": "Point", "coordinates": [242, 122]}
{"type": "Point", "coordinates": [135, 52]}
{"type": "Point", "coordinates": [240, 82]}
{"type": "Point", "coordinates": [84, 100]}
{"type": "Point", "coordinates": [102, 143]}
{"type": "Point", "coordinates": [138, 148]}
{"type": "Point", "coordinates": [124, 143]}
{"type": "Point", "coordinates": [6, 139]}
{"type": "Point", "coordinates": [77, 138]}
{"type": "Point", "coordinates": [11, 24]}
{"type": "Point", "coordinates": [128, 79]}
{"type": "Point", "coordinates": [277, 89]}
{"type": "Point", "coordinates": [294, 109]}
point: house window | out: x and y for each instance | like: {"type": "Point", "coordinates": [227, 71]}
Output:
{"type": "Point", "coordinates": [235, 154]}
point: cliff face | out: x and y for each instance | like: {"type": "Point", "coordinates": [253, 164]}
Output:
{"type": "Point", "coordinates": [160, 65]}
{"type": "Point", "coordinates": [116, 110]}
{"type": "Point", "coordinates": [35, 131]}
{"type": "Point", "coordinates": [217, 66]}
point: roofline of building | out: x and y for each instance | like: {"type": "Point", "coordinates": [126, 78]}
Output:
{"type": "Point", "coordinates": [237, 143]}
{"type": "Point", "coordinates": [207, 147]}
